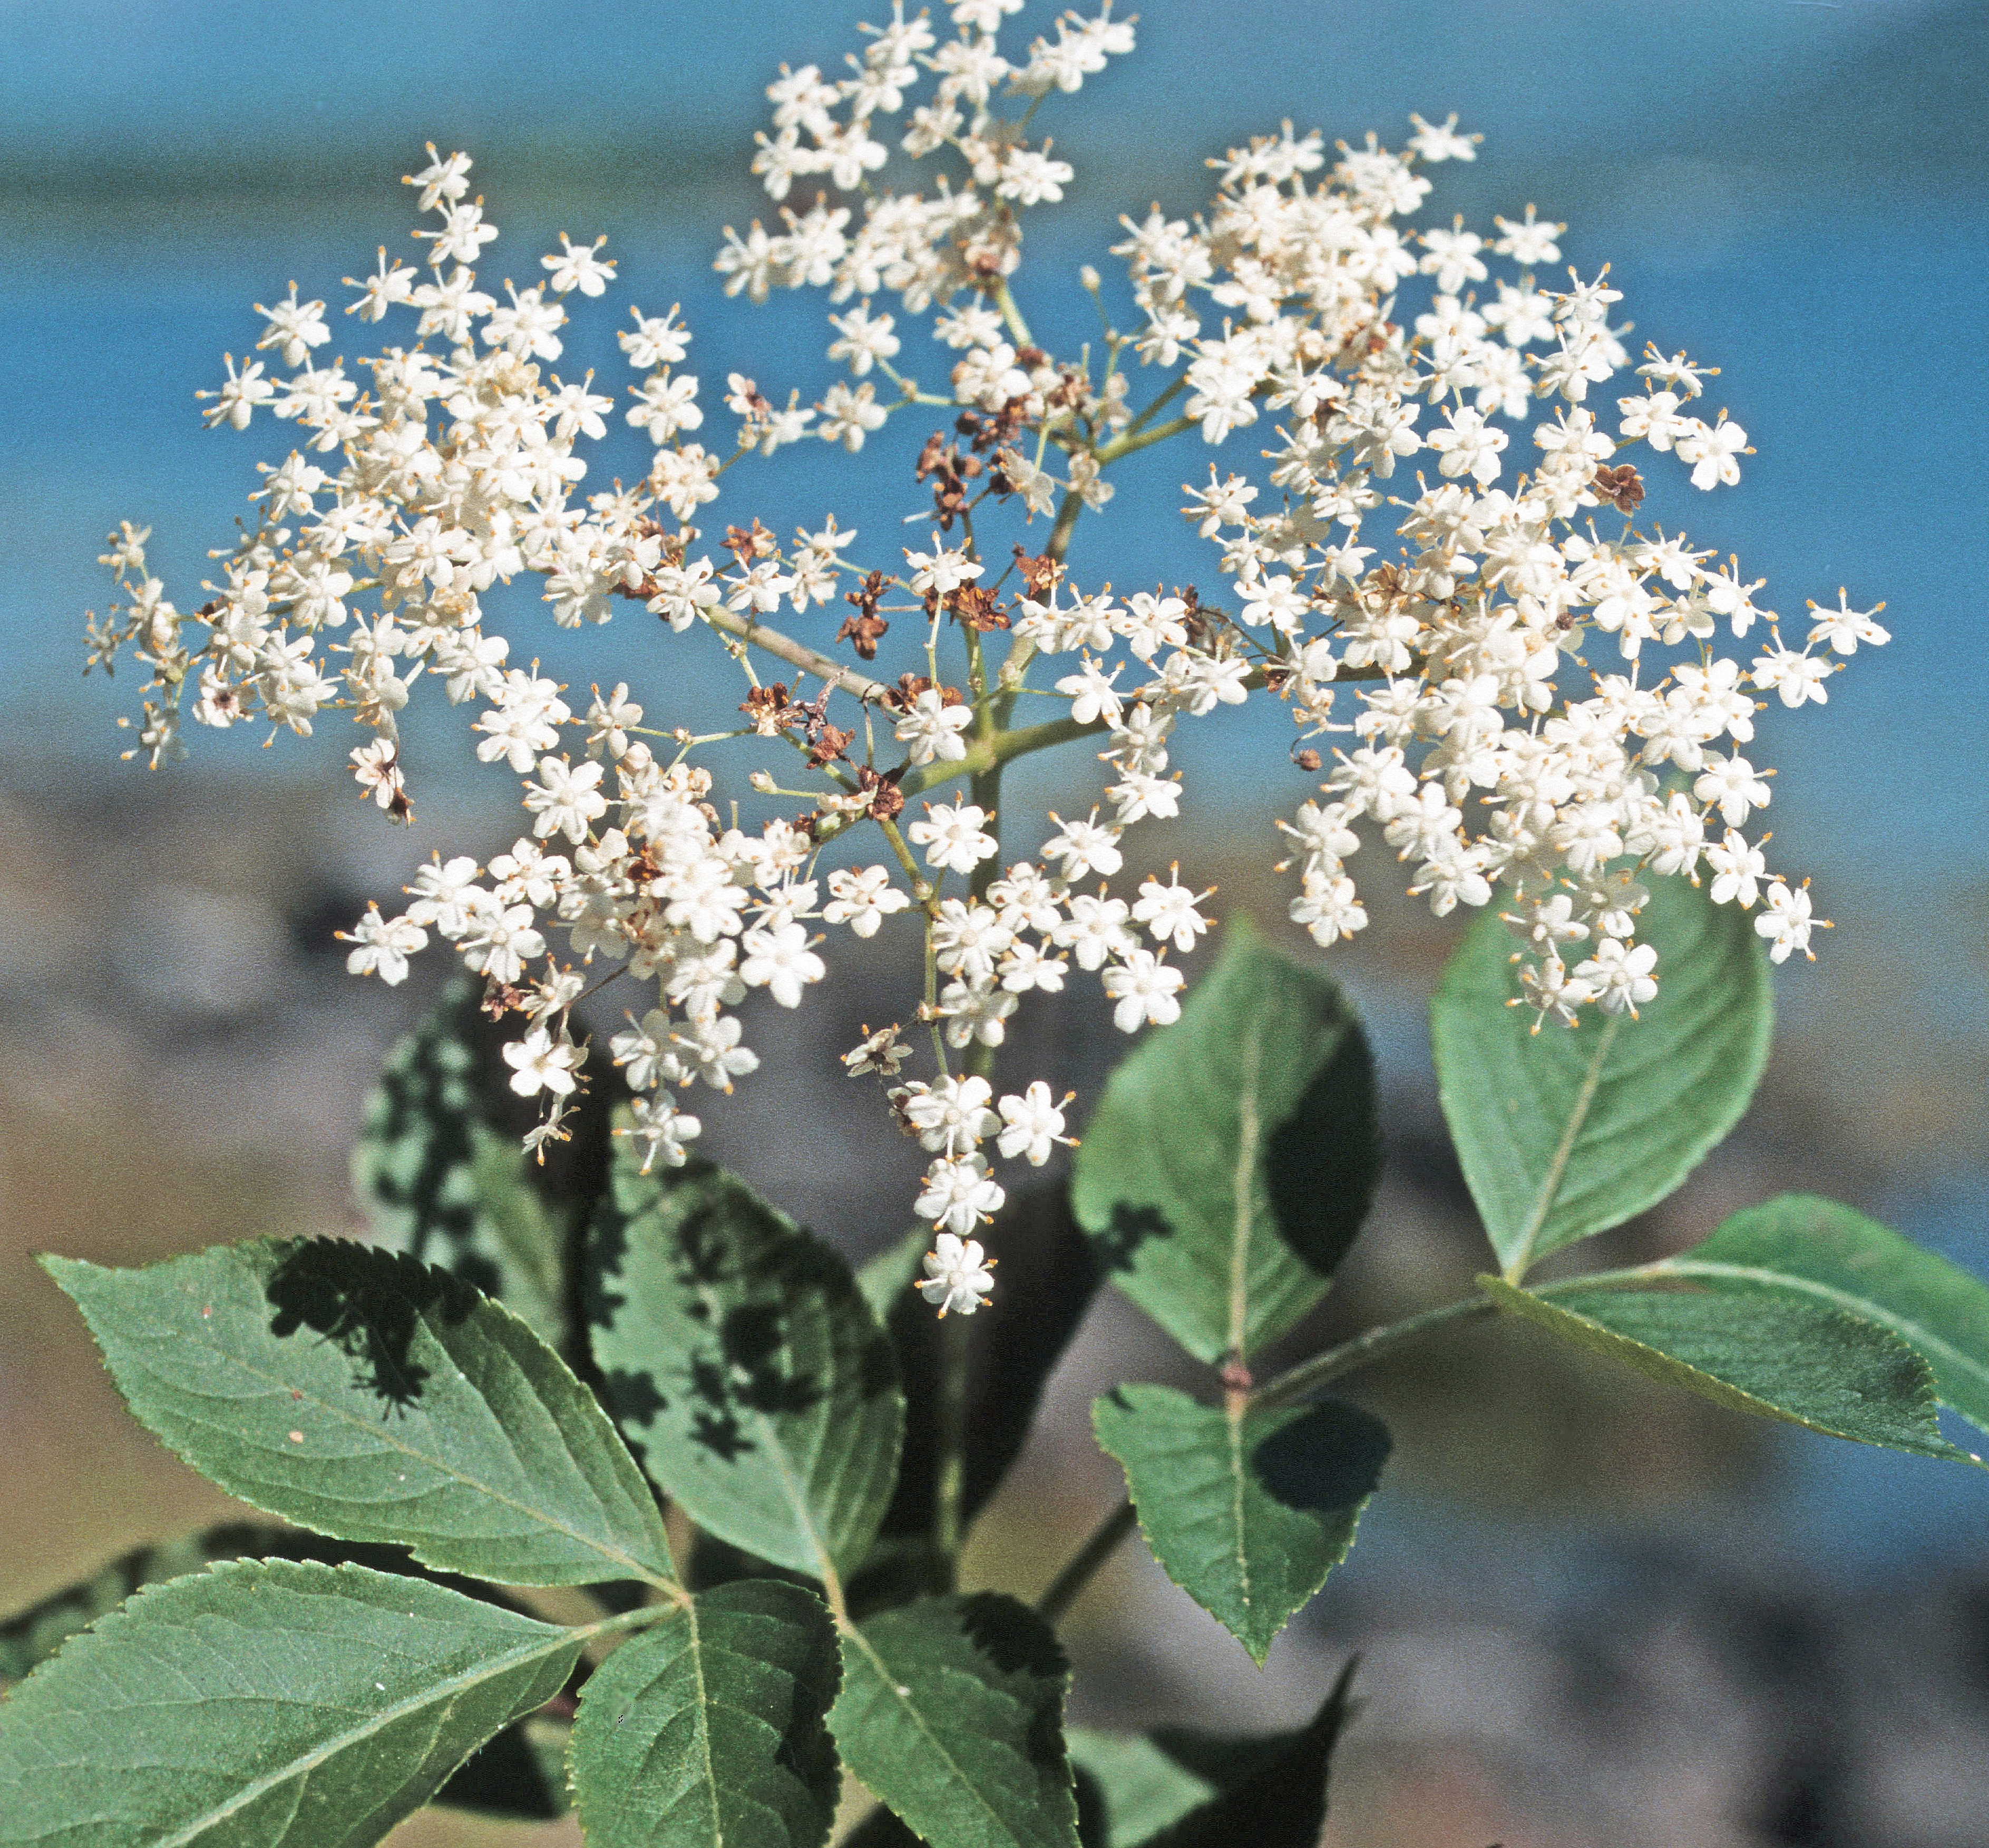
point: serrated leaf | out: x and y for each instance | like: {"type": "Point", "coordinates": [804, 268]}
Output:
{"type": "Point", "coordinates": [711, 1730]}
{"type": "Point", "coordinates": [1246, 1514]}
{"type": "Point", "coordinates": [951, 1713]}
{"type": "Point", "coordinates": [1232, 1159]}
{"type": "Point", "coordinates": [440, 1172]}
{"type": "Point", "coordinates": [266, 1705]}
{"type": "Point", "coordinates": [1128, 1788]}
{"type": "Point", "coordinates": [1273, 1791]}
{"type": "Point", "coordinates": [1819, 1249]}
{"type": "Point", "coordinates": [1570, 1131]}
{"type": "Point", "coordinates": [739, 1355]}
{"type": "Point", "coordinates": [1778, 1357]}
{"type": "Point", "coordinates": [512, 1775]}
{"type": "Point", "coordinates": [372, 1397]}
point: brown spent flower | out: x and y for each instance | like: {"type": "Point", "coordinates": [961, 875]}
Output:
{"type": "Point", "coordinates": [886, 798]}
{"type": "Point", "coordinates": [1621, 486]}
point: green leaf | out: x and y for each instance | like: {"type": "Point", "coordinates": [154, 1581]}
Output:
{"type": "Point", "coordinates": [1573, 1130]}
{"type": "Point", "coordinates": [1128, 1788]}
{"type": "Point", "coordinates": [374, 1399]}
{"type": "Point", "coordinates": [1819, 1249]}
{"type": "Point", "coordinates": [1272, 1791]}
{"type": "Point", "coordinates": [1778, 1357]}
{"type": "Point", "coordinates": [441, 1171]}
{"type": "Point", "coordinates": [738, 1353]}
{"type": "Point", "coordinates": [711, 1730]}
{"type": "Point", "coordinates": [1247, 1515]}
{"type": "Point", "coordinates": [266, 1705]}
{"type": "Point", "coordinates": [1231, 1160]}
{"type": "Point", "coordinates": [520, 1774]}
{"type": "Point", "coordinates": [951, 1713]}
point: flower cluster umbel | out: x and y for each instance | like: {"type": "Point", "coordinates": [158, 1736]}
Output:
{"type": "Point", "coordinates": [1517, 730]}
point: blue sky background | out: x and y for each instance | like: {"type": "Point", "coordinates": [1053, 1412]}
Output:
{"type": "Point", "coordinates": [1795, 190]}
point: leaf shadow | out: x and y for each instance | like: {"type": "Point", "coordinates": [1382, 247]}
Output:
{"type": "Point", "coordinates": [370, 1304]}
{"type": "Point", "coordinates": [1326, 1460]}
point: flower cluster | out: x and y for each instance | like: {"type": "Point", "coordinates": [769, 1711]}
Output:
{"type": "Point", "coordinates": [1481, 742]}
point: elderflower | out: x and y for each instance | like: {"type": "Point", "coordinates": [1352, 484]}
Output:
{"type": "Point", "coordinates": [1424, 529]}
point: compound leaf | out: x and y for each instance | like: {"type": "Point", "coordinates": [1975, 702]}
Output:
{"type": "Point", "coordinates": [951, 1713]}
{"type": "Point", "coordinates": [1231, 1160]}
{"type": "Point", "coordinates": [1570, 1130]}
{"type": "Point", "coordinates": [265, 1704]}
{"type": "Point", "coordinates": [710, 1730]}
{"type": "Point", "coordinates": [372, 1397]}
{"type": "Point", "coordinates": [739, 1355]}
{"type": "Point", "coordinates": [1247, 1514]}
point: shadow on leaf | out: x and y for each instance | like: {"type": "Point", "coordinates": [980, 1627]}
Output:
{"type": "Point", "coordinates": [368, 1304]}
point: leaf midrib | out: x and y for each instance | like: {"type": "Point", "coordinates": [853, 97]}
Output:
{"type": "Point", "coordinates": [444, 1694]}
{"type": "Point", "coordinates": [1550, 1185]}
{"type": "Point", "coordinates": [891, 1684]}
{"type": "Point", "coordinates": [1914, 1332]}
{"type": "Point", "coordinates": [1249, 1131]}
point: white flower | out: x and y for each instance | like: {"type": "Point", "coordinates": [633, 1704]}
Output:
{"type": "Point", "coordinates": [565, 799]}
{"type": "Point", "coordinates": [578, 267]}
{"type": "Point", "coordinates": [1619, 975]}
{"type": "Point", "coordinates": [1084, 847]}
{"type": "Point", "coordinates": [1713, 450]}
{"type": "Point", "coordinates": [931, 728]}
{"type": "Point", "coordinates": [957, 1273]}
{"type": "Point", "coordinates": [539, 1062]}
{"type": "Point", "coordinates": [1844, 628]}
{"type": "Point", "coordinates": [384, 944]}
{"type": "Point", "coordinates": [862, 899]}
{"type": "Point", "coordinates": [1786, 921]}
{"type": "Point", "coordinates": [662, 1129]}
{"type": "Point", "coordinates": [1797, 677]}
{"type": "Point", "coordinates": [952, 838]}
{"type": "Point", "coordinates": [951, 1117]}
{"type": "Point", "coordinates": [939, 570]}
{"type": "Point", "coordinates": [781, 962]}
{"type": "Point", "coordinates": [1169, 911]}
{"type": "Point", "coordinates": [1032, 1123]}
{"type": "Point", "coordinates": [1144, 988]}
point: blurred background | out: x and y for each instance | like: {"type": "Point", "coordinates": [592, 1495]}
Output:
{"type": "Point", "coordinates": [1637, 1623]}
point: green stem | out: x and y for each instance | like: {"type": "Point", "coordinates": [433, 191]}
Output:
{"type": "Point", "coordinates": [1153, 409]}
{"type": "Point", "coordinates": [1079, 1568]}
{"type": "Point", "coordinates": [1126, 444]}
{"type": "Point", "coordinates": [949, 1495]}
{"type": "Point", "coordinates": [1334, 1364]}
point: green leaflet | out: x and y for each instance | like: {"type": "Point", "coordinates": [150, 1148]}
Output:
{"type": "Point", "coordinates": [737, 1352]}
{"type": "Point", "coordinates": [520, 1775]}
{"type": "Point", "coordinates": [1247, 1515]}
{"type": "Point", "coordinates": [440, 1172]}
{"type": "Point", "coordinates": [1128, 1788]}
{"type": "Point", "coordinates": [265, 1705]}
{"type": "Point", "coordinates": [1571, 1130]}
{"type": "Point", "coordinates": [1779, 1357]}
{"type": "Point", "coordinates": [372, 1397]}
{"type": "Point", "coordinates": [710, 1731]}
{"type": "Point", "coordinates": [1231, 1160]}
{"type": "Point", "coordinates": [951, 1712]}
{"type": "Point", "coordinates": [1819, 1250]}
